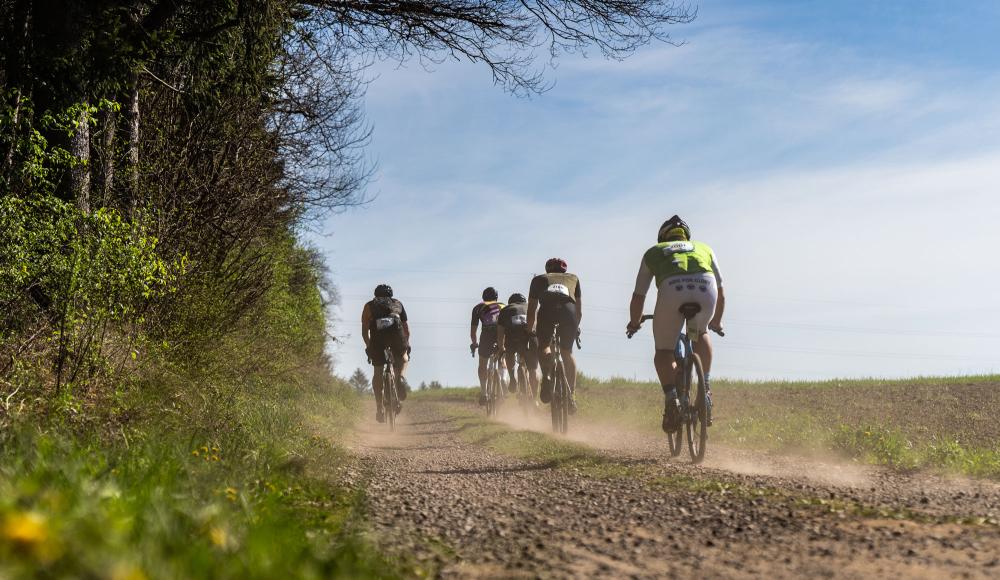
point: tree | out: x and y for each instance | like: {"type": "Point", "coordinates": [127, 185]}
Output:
{"type": "Point", "coordinates": [434, 385]}
{"type": "Point", "coordinates": [359, 382]}
{"type": "Point", "coordinates": [423, 386]}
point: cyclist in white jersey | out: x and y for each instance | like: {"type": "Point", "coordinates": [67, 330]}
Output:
{"type": "Point", "coordinates": [685, 271]}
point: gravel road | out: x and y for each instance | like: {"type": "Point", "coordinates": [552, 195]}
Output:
{"type": "Point", "coordinates": [457, 510]}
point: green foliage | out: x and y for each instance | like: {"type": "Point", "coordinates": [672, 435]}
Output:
{"type": "Point", "coordinates": [160, 510]}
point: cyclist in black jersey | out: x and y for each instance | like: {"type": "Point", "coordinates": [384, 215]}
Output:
{"type": "Point", "coordinates": [384, 325]}
{"type": "Point", "coordinates": [486, 313]}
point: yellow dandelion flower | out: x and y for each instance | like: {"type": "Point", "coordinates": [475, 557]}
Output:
{"type": "Point", "coordinates": [124, 571]}
{"type": "Point", "coordinates": [219, 537]}
{"type": "Point", "coordinates": [195, 453]}
{"type": "Point", "coordinates": [26, 528]}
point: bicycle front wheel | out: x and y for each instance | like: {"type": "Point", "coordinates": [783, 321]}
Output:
{"type": "Point", "coordinates": [696, 419]}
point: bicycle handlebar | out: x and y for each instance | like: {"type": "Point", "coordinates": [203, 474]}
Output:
{"type": "Point", "coordinates": [630, 333]}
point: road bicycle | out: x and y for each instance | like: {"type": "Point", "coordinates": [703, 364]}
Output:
{"type": "Point", "coordinates": [561, 393]}
{"type": "Point", "coordinates": [694, 416]}
{"type": "Point", "coordinates": [494, 392]}
{"type": "Point", "coordinates": [522, 386]}
{"type": "Point", "coordinates": [390, 394]}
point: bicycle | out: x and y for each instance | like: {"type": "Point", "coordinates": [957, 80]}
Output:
{"type": "Point", "coordinates": [561, 394]}
{"type": "Point", "coordinates": [694, 417]}
{"type": "Point", "coordinates": [494, 385]}
{"type": "Point", "coordinates": [390, 394]}
{"type": "Point", "coordinates": [521, 385]}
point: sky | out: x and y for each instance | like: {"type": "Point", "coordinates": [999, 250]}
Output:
{"type": "Point", "coordinates": [841, 158]}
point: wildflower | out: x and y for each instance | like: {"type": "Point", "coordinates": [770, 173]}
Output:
{"type": "Point", "coordinates": [195, 453]}
{"type": "Point", "coordinates": [231, 493]}
{"type": "Point", "coordinates": [30, 531]}
{"type": "Point", "coordinates": [219, 536]}
{"type": "Point", "coordinates": [124, 571]}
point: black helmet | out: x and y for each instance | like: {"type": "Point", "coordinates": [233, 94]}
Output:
{"type": "Point", "coordinates": [516, 298]}
{"type": "Point", "coordinates": [673, 223]}
{"type": "Point", "coordinates": [383, 291]}
{"type": "Point", "coordinates": [490, 293]}
{"type": "Point", "coordinates": [553, 265]}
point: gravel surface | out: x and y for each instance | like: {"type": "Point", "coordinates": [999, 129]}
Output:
{"type": "Point", "coordinates": [457, 509]}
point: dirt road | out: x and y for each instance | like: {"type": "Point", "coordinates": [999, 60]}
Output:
{"type": "Point", "coordinates": [447, 501]}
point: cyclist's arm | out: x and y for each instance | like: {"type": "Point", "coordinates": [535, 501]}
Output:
{"type": "Point", "coordinates": [475, 325]}
{"type": "Point", "coordinates": [532, 307]}
{"type": "Point", "coordinates": [366, 316]}
{"type": "Point", "coordinates": [406, 330]}
{"type": "Point", "coordinates": [579, 304]}
{"type": "Point", "coordinates": [720, 303]}
{"type": "Point", "coordinates": [642, 281]}
{"type": "Point", "coordinates": [720, 307]}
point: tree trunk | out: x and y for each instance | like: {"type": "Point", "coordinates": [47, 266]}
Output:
{"type": "Point", "coordinates": [80, 148]}
{"type": "Point", "coordinates": [132, 162]}
{"type": "Point", "coordinates": [109, 127]}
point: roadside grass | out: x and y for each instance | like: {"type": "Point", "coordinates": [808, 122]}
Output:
{"type": "Point", "coordinates": [936, 423]}
{"type": "Point", "coordinates": [167, 506]}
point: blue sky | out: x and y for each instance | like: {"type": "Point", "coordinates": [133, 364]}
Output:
{"type": "Point", "coordinates": [843, 159]}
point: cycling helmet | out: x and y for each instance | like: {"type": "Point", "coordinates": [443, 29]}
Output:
{"type": "Point", "coordinates": [555, 265]}
{"type": "Point", "coordinates": [516, 298]}
{"type": "Point", "coordinates": [490, 293]}
{"type": "Point", "coordinates": [383, 291]}
{"type": "Point", "coordinates": [671, 224]}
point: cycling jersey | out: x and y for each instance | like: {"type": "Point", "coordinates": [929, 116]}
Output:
{"type": "Point", "coordinates": [385, 314]}
{"type": "Point", "coordinates": [514, 320]}
{"type": "Point", "coordinates": [486, 313]}
{"type": "Point", "coordinates": [668, 259]}
{"type": "Point", "coordinates": [554, 288]}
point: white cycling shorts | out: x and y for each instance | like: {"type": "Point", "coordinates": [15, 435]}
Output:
{"type": "Point", "coordinates": [678, 290]}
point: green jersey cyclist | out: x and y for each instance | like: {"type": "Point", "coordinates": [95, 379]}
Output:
{"type": "Point", "coordinates": [554, 297]}
{"type": "Point", "coordinates": [685, 271]}
{"type": "Point", "coordinates": [384, 325]}
{"type": "Point", "coordinates": [485, 313]}
{"type": "Point", "coordinates": [513, 339]}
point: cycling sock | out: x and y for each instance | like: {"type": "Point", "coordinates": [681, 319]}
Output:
{"type": "Point", "coordinates": [708, 384]}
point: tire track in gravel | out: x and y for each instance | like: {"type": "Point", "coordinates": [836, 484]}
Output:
{"type": "Point", "coordinates": [462, 510]}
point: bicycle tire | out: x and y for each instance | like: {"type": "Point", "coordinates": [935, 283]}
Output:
{"type": "Point", "coordinates": [560, 400]}
{"type": "Point", "coordinates": [389, 394]}
{"type": "Point", "coordinates": [676, 441]}
{"type": "Point", "coordinates": [697, 413]}
{"type": "Point", "coordinates": [522, 387]}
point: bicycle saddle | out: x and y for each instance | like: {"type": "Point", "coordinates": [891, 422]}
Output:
{"type": "Point", "coordinates": [689, 309]}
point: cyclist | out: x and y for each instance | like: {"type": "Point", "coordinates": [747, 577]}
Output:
{"type": "Point", "coordinates": [513, 339]}
{"type": "Point", "coordinates": [554, 297]}
{"type": "Point", "coordinates": [486, 313]}
{"type": "Point", "coordinates": [384, 325]}
{"type": "Point", "coordinates": [685, 271]}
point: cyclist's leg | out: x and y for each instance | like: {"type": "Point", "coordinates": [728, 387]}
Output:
{"type": "Point", "coordinates": [377, 354]}
{"type": "Point", "coordinates": [510, 351]}
{"type": "Point", "coordinates": [546, 326]}
{"type": "Point", "coordinates": [400, 360]}
{"type": "Point", "coordinates": [667, 325]}
{"type": "Point", "coordinates": [530, 356]}
{"type": "Point", "coordinates": [706, 295]}
{"type": "Point", "coordinates": [487, 344]}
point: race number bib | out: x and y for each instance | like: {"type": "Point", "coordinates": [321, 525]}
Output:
{"type": "Point", "coordinates": [558, 289]}
{"type": "Point", "coordinates": [519, 320]}
{"type": "Point", "coordinates": [384, 323]}
{"type": "Point", "coordinates": [678, 248]}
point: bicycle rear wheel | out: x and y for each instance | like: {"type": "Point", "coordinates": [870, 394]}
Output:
{"type": "Point", "coordinates": [696, 416]}
{"type": "Point", "coordinates": [390, 397]}
{"type": "Point", "coordinates": [560, 400]}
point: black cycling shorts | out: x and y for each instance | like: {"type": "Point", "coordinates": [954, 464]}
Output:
{"type": "Point", "coordinates": [488, 341]}
{"type": "Point", "coordinates": [527, 350]}
{"type": "Point", "coordinates": [565, 315]}
{"type": "Point", "coordinates": [391, 339]}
